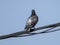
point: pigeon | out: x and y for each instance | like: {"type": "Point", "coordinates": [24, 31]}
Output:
{"type": "Point", "coordinates": [31, 21]}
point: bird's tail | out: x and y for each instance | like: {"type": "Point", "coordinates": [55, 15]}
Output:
{"type": "Point", "coordinates": [27, 29]}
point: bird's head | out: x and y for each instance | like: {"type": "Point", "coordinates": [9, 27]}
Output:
{"type": "Point", "coordinates": [33, 12]}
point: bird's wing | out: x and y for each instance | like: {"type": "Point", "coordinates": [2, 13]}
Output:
{"type": "Point", "coordinates": [34, 20]}
{"type": "Point", "coordinates": [31, 22]}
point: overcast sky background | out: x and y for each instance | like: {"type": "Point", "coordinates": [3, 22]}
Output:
{"type": "Point", "coordinates": [13, 16]}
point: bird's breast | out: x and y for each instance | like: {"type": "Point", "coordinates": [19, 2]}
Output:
{"type": "Point", "coordinates": [32, 20]}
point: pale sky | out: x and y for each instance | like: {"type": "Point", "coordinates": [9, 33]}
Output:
{"type": "Point", "coordinates": [13, 16]}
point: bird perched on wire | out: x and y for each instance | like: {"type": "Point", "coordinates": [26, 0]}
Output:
{"type": "Point", "coordinates": [31, 22]}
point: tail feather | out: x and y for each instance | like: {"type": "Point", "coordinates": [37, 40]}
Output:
{"type": "Point", "coordinates": [27, 29]}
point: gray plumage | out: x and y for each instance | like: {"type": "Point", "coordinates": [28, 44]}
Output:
{"type": "Point", "coordinates": [32, 21]}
